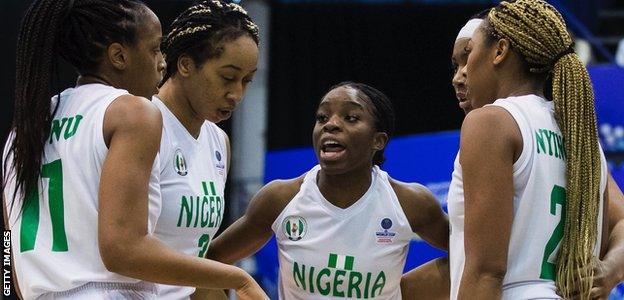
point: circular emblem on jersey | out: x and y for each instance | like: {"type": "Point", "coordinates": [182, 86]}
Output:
{"type": "Point", "coordinates": [179, 163]}
{"type": "Point", "coordinates": [295, 227]}
{"type": "Point", "coordinates": [218, 155]}
{"type": "Point", "coordinates": [386, 223]}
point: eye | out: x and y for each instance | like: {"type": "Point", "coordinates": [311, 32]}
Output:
{"type": "Point", "coordinates": [247, 80]}
{"type": "Point", "coordinates": [352, 118]}
{"type": "Point", "coordinates": [228, 78]}
{"type": "Point", "coordinates": [321, 118]}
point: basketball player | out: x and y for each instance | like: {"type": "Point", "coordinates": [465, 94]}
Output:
{"type": "Point", "coordinates": [514, 154]}
{"type": "Point", "coordinates": [343, 228]}
{"type": "Point", "coordinates": [212, 54]}
{"type": "Point", "coordinates": [607, 270]}
{"type": "Point", "coordinates": [81, 184]}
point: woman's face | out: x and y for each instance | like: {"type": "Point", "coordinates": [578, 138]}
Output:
{"type": "Point", "coordinates": [479, 71]}
{"type": "Point", "coordinates": [459, 58]}
{"type": "Point", "coordinates": [218, 85]}
{"type": "Point", "coordinates": [344, 135]}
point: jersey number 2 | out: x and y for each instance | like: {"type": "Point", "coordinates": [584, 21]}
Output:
{"type": "Point", "coordinates": [557, 196]}
{"type": "Point", "coordinates": [30, 213]}
{"type": "Point", "coordinates": [203, 243]}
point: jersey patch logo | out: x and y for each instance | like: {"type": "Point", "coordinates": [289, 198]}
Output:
{"type": "Point", "coordinates": [179, 163]}
{"type": "Point", "coordinates": [295, 227]}
{"type": "Point", "coordinates": [219, 165]}
{"type": "Point", "coordinates": [385, 236]}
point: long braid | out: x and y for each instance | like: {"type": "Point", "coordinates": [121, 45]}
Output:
{"type": "Point", "coordinates": [198, 31]}
{"type": "Point", "coordinates": [80, 34]}
{"type": "Point", "coordinates": [538, 32]}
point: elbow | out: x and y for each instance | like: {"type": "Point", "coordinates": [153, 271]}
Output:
{"type": "Point", "coordinates": [486, 272]}
{"type": "Point", "coordinates": [115, 256]}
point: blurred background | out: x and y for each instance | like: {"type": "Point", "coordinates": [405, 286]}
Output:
{"type": "Point", "coordinates": [401, 47]}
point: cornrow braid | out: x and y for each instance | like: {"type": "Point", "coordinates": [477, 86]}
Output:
{"type": "Point", "coordinates": [537, 31]}
{"type": "Point", "coordinates": [51, 28]}
{"type": "Point", "coordinates": [200, 29]}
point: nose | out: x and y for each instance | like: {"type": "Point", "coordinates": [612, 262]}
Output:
{"type": "Point", "coordinates": [236, 93]}
{"type": "Point", "coordinates": [332, 125]}
{"type": "Point", "coordinates": [459, 78]}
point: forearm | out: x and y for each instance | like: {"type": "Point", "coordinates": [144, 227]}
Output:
{"type": "Point", "coordinates": [148, 259]}
{"type": "Point", "coordinates": [615, 253]}
{"type": "Point", "coordinates": [428, 281]}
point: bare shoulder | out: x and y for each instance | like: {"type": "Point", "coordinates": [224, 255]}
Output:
{"type": "Point", "coordinates": [269, 202]}
{"type": "Point", "coordinates": [413, 195]}
{"type": "Point", "coordinates": [417, 201]}
{"type": "Point", "coordinates": [129, 113]}
{"type": "Point", "coordinates": [491, 121]}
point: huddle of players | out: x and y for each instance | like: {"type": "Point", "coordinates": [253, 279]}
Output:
{"type": "Point", "coordinates": [147, 177]}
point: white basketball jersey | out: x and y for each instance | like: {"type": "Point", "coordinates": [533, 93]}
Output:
{"type": "Point", "coordinates": [326, 252]}
{"type": "Point", "coordinates": [55, 238]}
{"type": "Point", "coordinates": [539, 178]}
{"type": "Point", "coordinates": [192, 181]}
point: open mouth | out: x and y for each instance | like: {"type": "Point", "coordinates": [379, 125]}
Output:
{"type": "Point", "coordinates": [225, 113]}
{"type": "Point", "coordinates": [332, 150]}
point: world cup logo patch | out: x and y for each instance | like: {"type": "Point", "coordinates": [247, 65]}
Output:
{"type": "Point", "coordinates": [295, 227]}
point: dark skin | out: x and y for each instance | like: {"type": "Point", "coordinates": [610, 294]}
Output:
{"type": "Point", "coordinates": [211, 91]}
{"type": "Point", "coordinates": [132, 124]}
{"type": "Point", "coordinates": [494, 71]}
{"type": "Point", "coordinates": [346, 175]}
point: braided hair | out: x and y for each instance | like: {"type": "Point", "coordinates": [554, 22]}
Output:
{"type": "Point", "coordinates": [537, 31]}
{"type": "Point", "coordinates": [199, 31]}
{"type": "Point", "coordinates": [79, 31]}
{"type": "Point", "coordinates": [382, 108]}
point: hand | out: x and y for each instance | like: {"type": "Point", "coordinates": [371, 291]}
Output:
{"type": "Point", "coordinates": [605, 280]}
{"type": "Point", "coordinates": [250, 290]}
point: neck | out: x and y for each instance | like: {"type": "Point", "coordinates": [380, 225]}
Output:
{"type": "Point", "coordinates": [516, 80]}
{"type": "Point", "coordinates": [173, 96]}
{"type": "Point", "coordinates": [343, 190]}
{"type": "Point", "coordinates": [94, 78]}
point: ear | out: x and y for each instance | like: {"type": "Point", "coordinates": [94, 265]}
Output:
{"type": "Point", "coordinates": [186, 65]}
{"type": "Point", "coordinates": [503, 50]}
{"type": "Point", "coordinates": [118, 56]}
{"type": "Point", "coordinates": [380, 140]}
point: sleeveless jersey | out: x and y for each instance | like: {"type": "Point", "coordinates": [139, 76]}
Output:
{"type": "Point", "coordinates": [192, 181]}
{"type": "Point", "coordinates": [539, 178]}
{"type": "Point", "coordinates": [326, 252]}
{"type": "Point", "coordinates": [55, 238]}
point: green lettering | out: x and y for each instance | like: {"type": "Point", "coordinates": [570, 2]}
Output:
{"type": "Point", "coordinates": [549, 135]}
{"type": "Point", "coordinates": [367, 285]}
{"type": "Point", "coordinates": [539, 139]}
{"type": "Point", "coordinates": [186, 209]}
{"type": "Point", "coordinates": [324, 291]}
{"type": "Point", "coordinates": [354, 284]}
{"type": "Point", "coordinates": [311, 280]}
{"type": "Point", "coordinates": [380, 282]}
{"type": "Point", "coordinates": [297, 274]}
{"type": "Point", "coordinates": [212, 209]}
{"type": "Point", "coordinates": [197, 200]}
{"type": "Point", "coordinates": [562, 148]}
{"type": "Point", "coordinates": [338, 282]}
{"type": "Point", "coordinates": [204, 214]}
{"type": "Point", "coordinates": [219, 206]}
{"type": "Point", "coordinates": [69, 131]}
{"type": "Point", "coordinates": [57, 127]}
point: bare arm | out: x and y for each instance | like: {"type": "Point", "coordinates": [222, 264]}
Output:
{"type": "Point", "coordinates": [610, 270]}
{"type": "Point", "coordinates": [424, 213]}
{"type": "Point", "coordinates": [253, 230]}
{"type": "Point", "coordinates": [428, 281]}
{"type": "Point", "coordinates": [132, 128]}
{"type": "Point", "coordinates": [488, 190]}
